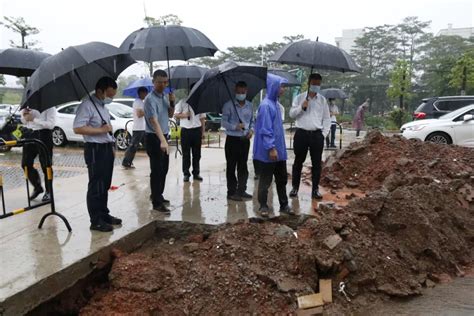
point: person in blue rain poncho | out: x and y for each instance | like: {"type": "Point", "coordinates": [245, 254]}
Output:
{"type": "Point", "coordinates": [269, 147]}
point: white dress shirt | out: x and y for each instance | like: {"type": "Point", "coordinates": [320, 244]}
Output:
{"type": "Point", "coordinates": [335, 110]}
{"type": "Point", "coordinates": [194, 121]}
{"type": "Point", "coordinates": [138, 122]}
{"type": "Point", "coordinates": [43, 120]}
{"type": "Point", "coordinates": [316, 115]}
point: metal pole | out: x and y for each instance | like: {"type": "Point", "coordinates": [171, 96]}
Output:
{"type": "Point", "coordinates": [27, 185]}
{"type": "Point", "coordinates": [3, 196]}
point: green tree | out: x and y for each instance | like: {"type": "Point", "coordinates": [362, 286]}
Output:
{"type": "Point", "coordinates": [2, 83]}
{"type": "Point", "coordinates": [411, 36]}
{"type": "Point", "coordinates": [168, 19]}
{"type": "Point", "coordinates": [462, 74]}
{"type": "Point", "coordinates": [250, 54]}
{"type": "Point", "coordinates": [18, 25]}
{"type": "Point", "coordinates": [374, 52]}
{"type": "Point", "coordinates": [400, 83]}
{"type": "Point", "coordinates": [123, 82]}
{"type": "Point", "coordinates": [440, 55]}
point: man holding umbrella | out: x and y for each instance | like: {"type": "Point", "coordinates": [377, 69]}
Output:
{"type": "Point", "coordinates": [237, 119]}
{"type": "Point", "coordinates": [138, 128]}
{"type": "Point", "coordinates": [313, 122]}
{"type": "Point", "coordinates": [98, 152]}
{"type": "Point", "coordinates": [158, 108]}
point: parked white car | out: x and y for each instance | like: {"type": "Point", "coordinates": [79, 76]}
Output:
{"type": "Point", "coordinates": [453, 128]}
{"type": "Point", "coordinates": [121, 119]}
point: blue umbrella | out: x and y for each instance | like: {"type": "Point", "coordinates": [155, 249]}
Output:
{"type": "Point", "coordinates": [132, 89]}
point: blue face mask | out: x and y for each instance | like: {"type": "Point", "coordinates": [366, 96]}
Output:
{"type": "Point", "coordinates": [108, 100]}
{"type": "Point", "coordinates": [241, 97]}
{"type": "Point", "coordinates": [314, 89]}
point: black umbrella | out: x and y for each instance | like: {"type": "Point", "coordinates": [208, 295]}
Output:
{"type": "Point", "coordinates": [173, 42]}
{"type": "Point", "coordinates": [214, 88]}
{"type": "Point", "coordinates": [73, 73]}
{"type": "Point", "coordinates": [292, 80]}
{"type": "Point", "coordinates": [20, 62]}
{"type": "Point", "coordinates": [184, 76]}
{"type": "Point", "coordinates": [333, 93]}
{"type": "Point", "coordinates": [315, 54]}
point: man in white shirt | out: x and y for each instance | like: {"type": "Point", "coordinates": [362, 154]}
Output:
{"type": "Point", "coordinates": [37, 126]}
{"type": "Point", "coordinates": [192, 131]}
{"type": "Point", "coordinates": [333, 111]}
{"type": "Point", "coordinates": [311, 111]}
{"type": "Point", "coordinates": [138, 128]}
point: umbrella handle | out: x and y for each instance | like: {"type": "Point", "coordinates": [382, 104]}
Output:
{"type": "Point", "coordinates": [231, 98]}
{"type": "Point", "coordinates": [307, 93]}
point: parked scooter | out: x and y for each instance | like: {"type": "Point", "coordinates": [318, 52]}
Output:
{"type": "Point", "coordinates": [10, 127]}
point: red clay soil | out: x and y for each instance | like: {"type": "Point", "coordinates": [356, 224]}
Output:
{"type": "Point", "coordinates": [366, 165]}
{"type": "Point", "coordinates": [414, 227]}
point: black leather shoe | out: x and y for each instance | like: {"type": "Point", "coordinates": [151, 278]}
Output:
{"type": "Point", "coordinates": [264, 211]}
{"type": "Point", "coordinates": [162, 209]}
{"type": "Point", "coordinates": [36, 192]}
{"type": "Point", "coordinates": [102, 226]}
{"type": "Point", "coordinates": [287, 210]}
{"type": "Point", "coordinates": [46, 197]}
{"type": "Point", "coordinates": [245, 195]}
{"type": "Point", "coordinates": [112, 220]}
{"type": "Point", "coordinates": [316, 195]}
{"type": "Point", "coordinates": [234, 197]}
{"type": "Point", "coordinates": [186, 178]}
{"type": "Point", "coordinates": [293, 193]}
{"type": "Point", "coordinates": [198, 178]}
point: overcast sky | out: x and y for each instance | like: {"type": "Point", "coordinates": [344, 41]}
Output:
{"type": "Point", "coordinates": [226, 23]}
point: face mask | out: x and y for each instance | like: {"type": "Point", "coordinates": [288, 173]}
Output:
{"type": "Point", "coordinates": [314, 89]}
{"type": "Point", "coordinates": [108, 100]}
{"type": "Point", "coordinates": [241, 97]}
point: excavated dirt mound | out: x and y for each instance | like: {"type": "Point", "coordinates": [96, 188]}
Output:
{"type": "Point", "coordinates": [414, 228]}
{"type": "Point", "coordinates": [368, 164]}
{"type": "Point", "coordinates": [393, 244]}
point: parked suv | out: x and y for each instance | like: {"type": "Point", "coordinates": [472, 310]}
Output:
{"type": "Point", "coordinates": [438, 106]}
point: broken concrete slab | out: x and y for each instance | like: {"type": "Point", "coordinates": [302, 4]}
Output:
{"type": "Point", "coordinates": [325, 288]}
{"type": "Point", "coordinates": [309, 301]}
{"type": "Point", "coordinates": [332, 241]}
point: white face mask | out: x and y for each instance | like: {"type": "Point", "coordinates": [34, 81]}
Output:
{"type": "Point", "coordinates": [314, 88]}
{"type": "Point", "coordinates": [241, 97]}
{"type": "Point", "coordinates": [108, 100]}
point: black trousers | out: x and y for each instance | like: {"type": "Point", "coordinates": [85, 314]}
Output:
{"type": "Point", "coordinates": [137, 138]}
{"type": "Point", "coordinates": [268, 170]}
{"type": "Point", "coordinates": [256, 166]}
{"type": "Point", "coordinates": [31, 151]}
{"type": "Point", "coordinates": [332, 136]}
{"type": "Point", "coordinates": [159, 164]}
{"type": "Point", "coordinates": [191, 141]}
{"type": "Point", "coordinates": [100, 164]}
{"type": "Point", "coordinates": [304, 141]}
{"type": "Point", "coordinates": [236, 154]}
